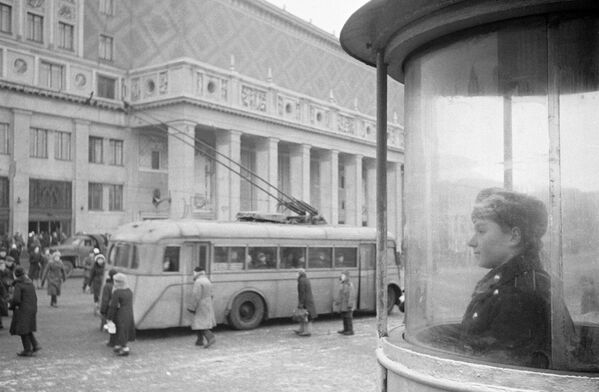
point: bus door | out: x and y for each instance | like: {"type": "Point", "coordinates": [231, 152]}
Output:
{"type": "Point", "coordinates": [194, 254]}
{"type": "Point", "coordinates": [366, 298]}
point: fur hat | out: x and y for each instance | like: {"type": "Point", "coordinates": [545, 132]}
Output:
{"type": "Point", "coordinates": [111, 273]}
{"type": "Point", "coordinates": [19, 271]}
{"type": "Point", "coordinates": [120, 280]}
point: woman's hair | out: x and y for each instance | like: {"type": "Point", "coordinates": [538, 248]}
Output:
{"type": "Point", "coordinates": [512, 209]}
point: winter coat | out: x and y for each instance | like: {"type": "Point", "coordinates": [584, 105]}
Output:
{"type": "Point", "coordinates": [201, 304]}
{"type": "Point", "coordinates": [24, 306]}
{"type": "Point", "coordinates": [35, 265]}
{"type": "Point", "coordinates": [120, 311]}
{"type": "Point", "coordinates": [96, 276]}
{"type": "Point", "coordinates": [54, 273]}
{"type": "Point", "coordinates": [509, 316]}
{"type": "Point", "coordinates": [304, 294]}
{"type": "Point", "coordinates": [106, 296]}
{"type": "Point", "coordinates": [345, 300]}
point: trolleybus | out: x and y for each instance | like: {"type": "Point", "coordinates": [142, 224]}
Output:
{"type": "Point", "coordinates": [253, 267]}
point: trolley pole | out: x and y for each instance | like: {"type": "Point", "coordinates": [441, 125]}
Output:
{"type": "Point", "coordinates": [381, 194]}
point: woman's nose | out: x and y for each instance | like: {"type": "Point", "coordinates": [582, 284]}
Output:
{"type": "Point", "coordinates": [472, 242]}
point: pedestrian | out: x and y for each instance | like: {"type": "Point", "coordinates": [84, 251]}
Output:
{"type": "Point", "coordinates": [96, 277]}
{"type": "Point", "coordinates": [305, 301]}
{"type": "Point", "coordinates": [105, 302]}
{"type": "Point", "coordinates": [55, 274]}
{"type": "Point", "coordinates": [3, 294]}
{"type": "Point", "coordinates": [15, 253]}
{"type": "Point", "coordinates": [88, 263]}
{"type": "Point", "coordinates": [35, 266]}
{"type": "Point", "coordinates": [120, 312]}
{"type": "Point", "coordinates": [202, 308]}
{"type": "Point", "coordinates": [345, 302]}
{"type": "Point", "coordinates": [24, 307]}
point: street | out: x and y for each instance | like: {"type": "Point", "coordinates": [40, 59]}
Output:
{"type": "Point", "coordinates": [74, 356]}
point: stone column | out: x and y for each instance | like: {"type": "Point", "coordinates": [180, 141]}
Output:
{"type": "Point", "coordinates": [80, 149]}
{"type": "Point", "coordinates": [228, 143]}
{"type": "Point", "coordinates": [181, 153]}
{"type": "Point", "coordinates": [299, 168]}
{"type": "Point", "coordinates": [19, 172]}
{"type": "Point", "coordinates": [370, 165]}
{"type": "Point", "coordinates": [353, 190]}
{"type": "Point", "coordinates": [267, 167]}
{"type": "Point", "coordinates": [392, 216]}
{"type": "Point", "coordinates": [329, 186]}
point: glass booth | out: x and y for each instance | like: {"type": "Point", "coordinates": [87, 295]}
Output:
{"type": "Point", "coordinates": [501, 191]}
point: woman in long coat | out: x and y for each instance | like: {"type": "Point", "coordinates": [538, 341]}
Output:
{"type": "Point", "coordinates": [120, 312]}
{"type": "Point", "coordinates": [305, 301]}
{"type": "Point", "coordinates": [105, 302]}
{"type": "Point", "coordinates": [24, 306]}
{"type": "Point", "coordinates": [35, 265]}
{"type": "Point", "coordinates": [55, 275]}
{"type": "Point", "coordinates": [201, 307]}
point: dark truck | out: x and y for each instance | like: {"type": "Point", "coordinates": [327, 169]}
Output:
{"type": "Point", "coordinates": [76, 248]}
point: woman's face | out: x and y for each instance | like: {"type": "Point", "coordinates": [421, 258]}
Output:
{"type": "Point", "coordinates": [491, 245]}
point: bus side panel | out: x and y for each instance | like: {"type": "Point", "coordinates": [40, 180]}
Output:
{"type": "Point", "coordinates": [160, 305]}
{"type": "Point", "coordinates": [366, 299]}
{"type": "Point", "coordinates": [324, 286]}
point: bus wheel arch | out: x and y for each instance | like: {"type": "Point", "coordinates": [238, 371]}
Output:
{"type": "Point", "coordinates": [393, 294]}
{"type": "Point", "coordinates": [247, 310]}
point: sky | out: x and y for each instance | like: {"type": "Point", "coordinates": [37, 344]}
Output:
{"type": "Point", "coordinates": [329, 15]}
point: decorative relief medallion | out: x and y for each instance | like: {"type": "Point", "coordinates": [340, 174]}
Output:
{"type": "Point", "coordinates": [163, 82]}
{"type": "Point", "coordinates": [345, 124]}
{"type": "Point", "coordinates": [80, 80]}
{"type": "Point", "coordinates": [253, 98]}
{"type": "Point", "coordinates": [35, 3]}
{"type": "Point", "coordinates": [20, 66]}
{"type": "Point", "coordinates": [66, 12]}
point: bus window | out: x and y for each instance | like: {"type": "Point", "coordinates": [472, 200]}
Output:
{"type": "Point", "coordinates": [346, 258]}
{"type": "Point", "coordinates": [367, 256]}
{"type": "Point", "coordinates": [320, 258]}
{"type": "Point", "coordinates": [292, 257]}
{"type": "Point", "coordinates": [135, 259]}
{"type": "Point", "coordinates": [228, 258]}
{"type": "Point", "coordinates": [203, 257]}
{"type": "Point", "coordinates": [262, 258]}
{"type": "Point", "coordinates": [119, 255]}
{"type": "Point", "coordinates": [170, 262]}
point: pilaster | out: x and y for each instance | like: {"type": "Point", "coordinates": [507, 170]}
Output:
{"type": "Point", "coordinates": [329, 185]}
{"type": "Point", "coordinates": [19, 172]}
{"type": "Point", "coordinates": [267, 163]}
{"type": "Point", "coordinates": [80, 148]}
{"type": "Point", "coordinates": [228, 143]}
{"type": "Point", "coordinates": [299, 165]}
{"type": "Point", "coordinates": [181, 155]}
{"type": "Point", "coordinates": [353, 186]}
{"type": "Point", "coordinates": [370, 165]}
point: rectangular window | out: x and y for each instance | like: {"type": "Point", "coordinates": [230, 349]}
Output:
{"type": "Point", "coordinates": [62, 146]}
{"type": "Point", "coordinates": [262, 258]}
{"type": "Point", "coordinates": [115, 198]}
{"type": "Point", "coordinates": [35, 27]}
{"type": "Point", "coordinates": [170, 263]}
{"type": "Point", "coordinates": [293, 257]}
{"type": "Point", "coordinates": [5, 18]}
{"type": "Point", "coordinates": [51, 75]}
{"type": "Point", "coordinates": [319, 258]}
{"type": "Point", "coordinates": [228, 258]}
{"type": "Point", "coordinates": [38, 143]}
{"type": "Point", "coordinates": [105, 47]}
{"type": "Point", "coordinates": [3, 192]}
{"type": "Point", "coordinates": [65, 36]}
{"type": "Point", "coordinates": [95, 197]}
{"type": "Point", "coordinates": [346, 258]}
{"type": "Point", "coordinates": [155, 160]}
{"type": "Point", "coordinates": [106, 87]}
{"type": "Point", "coordinates": [116, 152]}
{"type": "Point", "coordinates": [95, 149]}
{"type": "Point", "coordinates": [107, 7]}
{"type": "Point", "coordinates": [4, 142]}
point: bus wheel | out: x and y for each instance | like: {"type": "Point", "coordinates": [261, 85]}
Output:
{"type": "Point", "coordinates": [392, 298]}
{"type": "Point", "coordinates": [247, 311]}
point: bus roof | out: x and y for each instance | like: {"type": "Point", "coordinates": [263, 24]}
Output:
{"type": "Point", "coordinates": [155, 230]}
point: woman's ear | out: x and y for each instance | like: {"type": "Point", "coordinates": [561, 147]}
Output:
{"type": "Point", "coordinates": [516, 237]}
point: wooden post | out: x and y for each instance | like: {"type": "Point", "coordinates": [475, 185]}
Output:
{"type": "Point", "coordinates": [381, 195]}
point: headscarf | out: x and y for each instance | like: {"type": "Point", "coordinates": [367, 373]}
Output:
{"type": "Point", "coordinates": [120, 281]}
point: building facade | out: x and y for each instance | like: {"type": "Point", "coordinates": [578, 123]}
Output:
{"type": "Point", "coordinates": [116, 111]}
